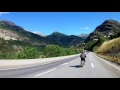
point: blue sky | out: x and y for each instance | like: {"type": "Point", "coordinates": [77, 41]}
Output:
{"type": "Point", "coordinates": [70, 23]}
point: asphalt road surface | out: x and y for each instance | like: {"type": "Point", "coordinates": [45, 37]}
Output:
{"type": "Point", "coordinates": [68, 68]}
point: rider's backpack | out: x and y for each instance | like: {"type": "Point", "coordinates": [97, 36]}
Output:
{"type": "Point", "coordinates": [83, 56]}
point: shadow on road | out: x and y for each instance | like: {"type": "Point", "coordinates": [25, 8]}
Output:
{"type": "Point", "coordinates": [76, 66]}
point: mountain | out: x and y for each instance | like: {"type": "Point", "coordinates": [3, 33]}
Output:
{"type": "Point", "coordinates": [17, 37]}
{"type": "Point", "coordinates": [39, 34]}
{"type": "Point", "coordinates": [64, 40]}
{"type": "Point", "coordinates": [10, 31]}
{"type": "Point", "coordinates": [107, 28]}
{"type": "Point", "coordinates": [84, 36]}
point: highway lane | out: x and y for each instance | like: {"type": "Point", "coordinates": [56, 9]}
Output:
{"type": "Point", "coordinates": [94, 68]}
{"type": "Point", "coordinates": [69, 68]}
{"type": "Point", "coordinates": [29, 72]}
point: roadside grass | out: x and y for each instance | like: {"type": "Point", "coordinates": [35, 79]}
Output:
{"type": "Point", "coordinates": [109, 46]}
{"type": "Point", "coordinates": [110, 50]}
{"type": "Point", "coordinates": [110, 58]}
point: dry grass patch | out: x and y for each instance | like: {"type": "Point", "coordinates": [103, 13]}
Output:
{"type": "Point", "coordinates": [110, 50]}
{"type": "Point", "coordinates": [113, 59]}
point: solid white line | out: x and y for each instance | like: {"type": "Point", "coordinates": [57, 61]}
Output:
{"type": "Point", "coordinates": [70, 61]}
{"type": "Point", "coordinates": [64, 63]}
{"type": "Point", "coordinates": [44, 72]}
{"type": "Point", "coordinates": [92, 65]}
{"type": "Point", "coordinates": [108, 62]}
{"type": "Point", "coordinates": [22, 67]}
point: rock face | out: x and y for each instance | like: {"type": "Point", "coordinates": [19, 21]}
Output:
{"type": "Point", "coordinates": [10, 35]}
{"type": "Point", "coordinates": [7, 35]}
{"type": "Point", "coordinates": [108, 27]}
{"type": "Point", "coordinates": [10, 31]}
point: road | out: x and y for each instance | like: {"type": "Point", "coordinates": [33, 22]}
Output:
{"type": "Point", "coordinates": [68, 68]}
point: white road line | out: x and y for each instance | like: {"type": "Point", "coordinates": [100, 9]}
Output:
{"type": "Point", "coordinates": [92, 65]}
{"type": "Point", "coordinates": [45, 72]}
{"type": "Point", "coordinates": [64, 63]}
{"type": "Point", "coordinates": [90, 59]}
{"type": "Point", "coordinates": [25, 66]}
{"type": "Point", "coordinates": [70, 61]}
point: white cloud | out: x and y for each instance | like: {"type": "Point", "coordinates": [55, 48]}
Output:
{"type": "Point", "coordinates": [85, 28]}
{"type": "Point", "coordinates": [1, 13]}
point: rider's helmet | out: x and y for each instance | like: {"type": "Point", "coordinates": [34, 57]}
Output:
{"type": "Point", "coordinates": [82, 52]}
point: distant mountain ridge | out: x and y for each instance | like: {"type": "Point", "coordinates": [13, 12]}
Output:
{"type": "Point", "coordinates": [65, 40]}
{"type": "Point", "coordinates": [11, 31]}
{"type": "Point", "coordinates": [84, 36]}
{"type": "Point", "coordinates": [5, 23]}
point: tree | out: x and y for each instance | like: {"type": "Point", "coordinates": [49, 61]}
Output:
{"type": "Point", "coordinates": [52, 50]}
{"type": "Point", "coordinates": [101, 38]}
{"type": "Point", "coordinates": [70, 51]}
{"type": "Point", "coordinates": [55, 51]}
{"type": "Point", "coordinates": [90, 45]}
{"type": "Point", "coordinates": [62, 52]}
{"type": "Point", "coordinates": [28, 53]}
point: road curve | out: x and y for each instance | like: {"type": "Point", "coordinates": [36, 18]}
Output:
{"type": "Point", "coordinates": [95, 67]}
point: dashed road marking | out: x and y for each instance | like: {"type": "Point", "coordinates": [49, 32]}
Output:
{"type": "Point", "coordinates": [45, 72]}
{"type": "Point", "coordinates": [90, 59]}
{"type": "Point", "coordinates": [92, 65]}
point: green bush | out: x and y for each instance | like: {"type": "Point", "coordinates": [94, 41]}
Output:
{"type": "Point", "coordinates": [52, 51]}
{"type": "Point", "coordinates": [90, 45]}
{"type": "Point", "coordinates": [77, 51]}
{"type": "Point", "coordinates": [28, 53]}
{"type": "Point", "coordinates": [101, 38]}
{"type": "Point", "coordinates": [55, 51]}
{"type": "Point", "coordinates": [70, 51]}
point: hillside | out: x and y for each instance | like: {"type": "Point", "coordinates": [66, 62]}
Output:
{"type": "Point", "coordinates": [10, 31]}
{"type": "Point", "coordinates": [107, 28]}
{"type": "Point", "coordinates": [105, 41]}
{"type": "Point", "coordinates": [14, 38]}
{"type": "Point", "coordinates": [110, 50]}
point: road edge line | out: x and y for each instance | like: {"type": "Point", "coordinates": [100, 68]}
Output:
{"type": "Point", "coordinates": [107, 62]}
